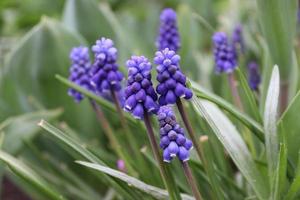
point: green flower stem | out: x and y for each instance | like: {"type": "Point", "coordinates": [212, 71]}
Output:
{"type": "Point", "coordinates": [113, 140]}
{"type": "Point", "coordinates": [189, 176]}
{"type": "Point", "coordinates": [234, 91]}
{"type": "Point", "coordinates": [135, 149]}
{"type": "Point", "coordinates": [166, 176]}
{"type": "Point", "coordinates": [188, 126]}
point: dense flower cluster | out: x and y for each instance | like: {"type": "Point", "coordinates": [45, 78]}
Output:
{"type": "Point", "coordinates": [168, 32]}
{"type": "Point", "coordinates": [225, 54]}
{"type": "Point", "coordinates": [172, 82]}
{"type": "Point", "coordinates": [172, 138]}
{"type": "Point", "coordinates": [253, 75]}
{"type": "Point", "coordinates": [105, 72]}
{"type": "Point", "coordinates": [79, 71]}
{"type": "Point", "coordinates": [139, 93]}
{"type": "Point", "coordinates": [237, 38]}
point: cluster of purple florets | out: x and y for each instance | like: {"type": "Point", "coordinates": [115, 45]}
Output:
{"type": "Point", "coordinates": [253, 75]}
{"type": "Point", "coordinates": [80, 71]}
{"type": "Point", "coordinates": [168, 32]}
{"type": "Point", "coordinates": [225, 53]}
{"type": "Point", "coordinates": [172, 138]}
{"type": "Point", "coordinates": [172, 82]}
{"type": "Point", "coordinates": [237, 38]}
{"type": "Point", "coordinates": [105, 73]}
{"type": "Point", "coordinates": [139, 93]}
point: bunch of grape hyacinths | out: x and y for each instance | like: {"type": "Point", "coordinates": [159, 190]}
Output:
{"type": "Point", "coordinates": [168, 32]}
{"type": "Point", "coordinates": [253, 76]}
{"type": "Point", "coordinates": [81, 74]}
{"type": "Point", "coordinates": [226, 62]}
{"type": "Point", "coordinates": [140, 101]}
{"type": "Point", "coordinates": [79, 71]}
{"type": "Point", "coordinates": [172, 87]}
{"type": "Point", "coordinates": [174, 143]}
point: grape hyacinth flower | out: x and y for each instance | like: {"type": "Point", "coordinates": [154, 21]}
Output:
{"type": "Point", "coordinates": [225, 54]}
{"type": "Point", "coordinates": [172, 82]}
{"type": "Point", "coordinates": [172, 138]}
{"type": "Point", "coordinates": [168, 32]}
{"type": "Point", "coordinates": [79, 71]}
{"type": "Point", "coordinates": [237, 38]}
{"type": "Point", "coordinates": [105, 73]}
{"type": "Point", "coordinates": [253, 75]}
{"type": "Point", "coordinates": [139, 93]}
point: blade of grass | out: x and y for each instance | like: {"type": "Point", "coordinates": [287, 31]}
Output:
{"type": "Point", "coordinates": [26, 173]}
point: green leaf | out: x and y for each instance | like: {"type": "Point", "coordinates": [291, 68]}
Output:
{"type": "Point", "coordinates": [291, 127]}
{"type": "Point", "coordinates": [278, 22]}
{"type": "Point", "coordinates": [255, 127]}
{"type": "Point", "coordinates": [148, 189]}
{"type": "Point", "coordinates": [280, 176]}
{"type": "Point", "coordinates": [25, 172]}
{"type": "Point", "coordinates": [295, 186]}
{"type": "Point", "coordinates": [41, 53]}
{"type": "Point", "coordinates": [104, 103]}
{"type": "Point", "coordinates": [234, 144]}
{"type": "Point", "coordinates": [250, 96]}
{"type": "Point", "coordinates": [78, 15]}
{"type": "Point", "coordinates": [270, 119]}
{"type": "Point", "coordinates": [82, 151]}
{"type": "Point", "coordinates": [22, 127]}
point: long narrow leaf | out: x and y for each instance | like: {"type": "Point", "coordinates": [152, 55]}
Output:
{"type": "Point", "coordinates": [151, 190]}
{"type": "Point", "coordinates": [255, 127]}
{"type": "Point", "coordinates": [270, 125]}
{"type": "Point", "coordinates": [25, 172]}
{"type": "Point", "coordinates": [234, 144]}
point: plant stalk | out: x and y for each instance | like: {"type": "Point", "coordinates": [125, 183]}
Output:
{"type": "Point", "coordinates": [109, 133]}
{"type": "Point", "coordinates": [189, 176]}
{"type": "Point", "coordinates": [162, 168]}
{"type": "Point", "coordinates": [188, 126]}
{"type": "Point", "coordinates": [234, 91]}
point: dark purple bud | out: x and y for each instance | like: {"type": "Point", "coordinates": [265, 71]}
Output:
{"type": "Point", "coordinates": [167, 156]}
{"type": "Point", "coordinates": [138, 111]}
{"type": "Point", "coordinates": [170, 97]}
{"type": "Point", "coordinates": [188, 144]}
{"type": "Point", "coordinates": [140, 96]}
{"type": "Point", "coordinates": [172, 135]}
{"type": "Point", "coordinates": [180, 140]}
{"type": "Point", "coordinates": [130, 102]}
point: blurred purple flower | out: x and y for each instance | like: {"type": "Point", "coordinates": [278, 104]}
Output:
{"type": "Point", "coordinates": [79, 71]}
{"type": "Point", "coordinates": [253, 75]}
{"type": "Point", "coordinates": [168, 32]}
{"type": "Point", "coordinates": [172, 82]}
{"type": "Point", "coordinates": [105, 73]}
{"type": "Point", "coordinates": [238, 39]}
{"type": "Point", "coordinates": [172, 138]}
{"type": "Point", "coordinates": [121, 165]}
{"type": "Point", "coordinates": [225, 54]}
{"type": "Point", "coordinates": [140, 96]}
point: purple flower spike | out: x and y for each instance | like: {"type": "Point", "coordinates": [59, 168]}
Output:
{"type": "Point", "coordinates": [79, 71]}
{"type": "Point", "coordinates": [225, 54]}
{"type": "Point", "coordinates": [237, 38]}
{"type": "Point", "coordinates": [140, 97]}
{"type": "Point", "coordinates": [253, 75]}
{"type": "Point", "coordinates": [172, 82]}
{"type": "Point", "coordinates": [172, 138]}
{"type": "Point", "coordinates": [168, 32]}
{"type": "Point", "coordinates": [105, 73]}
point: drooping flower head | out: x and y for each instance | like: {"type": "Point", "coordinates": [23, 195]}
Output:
{"type": "Point", "coordinates": [238, 39]}
{"type": "Point", "coordinates": [225, 54]}
{"type": "Point", "coordinates": [79, 71]}
{"type": "Point", "coordinates": [172, 82]}
{"type": "Point", "coordinates": [140, 96]}
{"type": "Point", "coordinates": [172, 138]}
{"type": "Point", "coordinates": [105, 73]}
{"type": "Point", "coordinates": [168, 32]}
{"type": "Point", "coordinates": [253, 75]}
